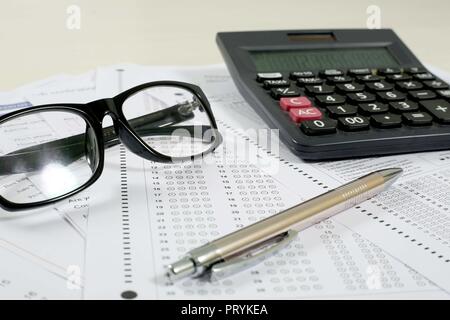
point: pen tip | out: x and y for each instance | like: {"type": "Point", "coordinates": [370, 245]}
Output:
{"type": "Point", "coordinates": [391, 174]}
{"type": "Point", "coordinates": [180, 269]}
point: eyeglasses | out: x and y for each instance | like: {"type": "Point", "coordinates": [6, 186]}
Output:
{"type": "Point", "coordinates": [51, 152]}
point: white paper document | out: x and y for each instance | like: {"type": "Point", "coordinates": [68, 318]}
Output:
{"type": "Point", "coordinates": [159, 212]}
{"type": "Point", "coordinates": [113, 240]}
{"type": "Point", "coordinates": [42, 250]}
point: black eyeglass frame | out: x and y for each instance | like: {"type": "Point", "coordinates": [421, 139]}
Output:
{"type": "Point", "coordinates": [94, 112]}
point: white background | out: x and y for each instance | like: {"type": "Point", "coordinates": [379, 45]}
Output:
{"type": "Point", "coordinates": [36, 42]}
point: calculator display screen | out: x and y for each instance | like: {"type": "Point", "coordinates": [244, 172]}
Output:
{"type": "Point", "coordinates": [316, 59]}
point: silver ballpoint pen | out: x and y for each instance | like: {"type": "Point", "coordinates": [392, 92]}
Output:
{"type": "Point", "coordinates": [250, 245]}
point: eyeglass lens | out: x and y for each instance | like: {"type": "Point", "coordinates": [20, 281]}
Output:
{"type": "Point", "coordinates": [180, 125]}
{"type": "Point", "coordinates": [44, 155]}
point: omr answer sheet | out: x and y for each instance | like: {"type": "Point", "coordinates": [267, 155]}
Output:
{"type": "Point", "coordinates": [154, 213]}
{"type": "Point", "coordinates": [411, 221]}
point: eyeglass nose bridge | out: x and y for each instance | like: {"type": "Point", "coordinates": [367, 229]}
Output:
{"type": "Point", "coordinates": [102, 107]}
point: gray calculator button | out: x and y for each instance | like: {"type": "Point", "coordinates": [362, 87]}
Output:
{"type": "Point", "coordinates": [354, 123]}
{"type": "Point", "coordinates": [342, 110]}
{"type": "Point", "coordinates": [440, 109]}
{"type": "Point", "coordinates": [404, 106]}
{"type": "Point", "coordinates": [417, 118]}
{"type": "Point", "coordinates": [424, 76]}
{"type": "Point", "coordinates": [278, 93]}
{"type": "Point", "coordinates": [387, 120]}
{"type": "Point", "coordinates": [261, 77]}
{"type": "Point", "coordinates": [318, 127]}
{"type": "Point", "coordinates": [409, 85]}
{"type": "Point", "coordinates": [422, 95]}
{"type": "Point", "coordinates": [276, 83]}
{"type": "Point", "coordinates": [373, 108]}
{"type": "Point", "coordinates": [444, 93]}
{"type": "Point", "coordinates": [436, 84]}
{"type": "Point", "coordinates": [294, 75]}
{"type": "Point", "coordinates": [332, 72]}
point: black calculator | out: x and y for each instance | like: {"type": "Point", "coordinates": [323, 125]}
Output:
{"type": "Point", "coordinates": [337, 94]}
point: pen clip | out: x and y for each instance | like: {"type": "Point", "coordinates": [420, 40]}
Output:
{"type": "Point", "coordinates": [252, 256]}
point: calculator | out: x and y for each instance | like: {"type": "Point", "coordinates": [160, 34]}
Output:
{"type": "Point", "coordinates": [336, 94]}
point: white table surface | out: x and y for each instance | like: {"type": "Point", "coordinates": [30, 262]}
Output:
{"type": "Point", "coordinates": [36, 43]}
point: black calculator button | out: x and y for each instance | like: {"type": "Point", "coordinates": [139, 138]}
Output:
{"type": "Point", "coordinates": [391, 96]}
{"type": "Point", "coordinates": [417, 118]}
{"type": "Point", "coordinates": [342, 110]}
{"type": "Point", "coordinates": [339, 79]}
{"type": "Point", "coordinates": [444, 93]}
{"type": "Point", "coordinates": [398, 77]}
{"type": "Point", "coordinates": [278, 93]}
{"type": "Point", "coordinates": [424, 76]}
{"type": "Point", "coordinates": [331, 73]}
{"type": "Point", "coordinates": [368, 78]}
{"type": "Point", "coordinates": [361, 97]}
{"type": "Point", "coordinates": [276, 83]}
{"type": "Point", "coordinates": [379, 86]}
{"type": "Point", "coordinates": [349, 87]}
{"type": "Point", "coordinates": [388, 71]}
{"type": "Point", "coordinates": [387, 120]}
{"type": "Point", "coordinates": [440, 109]}
{"type": "Point", "coordinates": [354, 123]}
{"type": "Point", "coordinates": [408, 85]}
{"type": "Point", "coordinates": [359, 72]}
{"type": "Point", "coordinates": [301, 74]}
{"type": "Point", "coordinates": [404, 106]}
{"type": "Point", "coordinates": [318, 127]}
{"type": "Point", "coordinates": [436, 84]}
{"type": "Point", "coordinates": [373, 108]}
{"type": "Point", "coordinates": [329, 99]}
{"type": "Point", "coordinates": [309, 81]}
{"type": "Point", "coordinates": [261, 77]}
{"type": "Point", "coordinates": [422, 95]}
{"type": "Point", "coordinates": [415, 70]}
{"type": "Point", "coordinates": [319, 89]}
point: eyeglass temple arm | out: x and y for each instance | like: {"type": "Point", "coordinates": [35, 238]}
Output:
{"type": "Point", "coordinates": [70, 149]}
{"type": "Point", "coordinates": [154, 121]}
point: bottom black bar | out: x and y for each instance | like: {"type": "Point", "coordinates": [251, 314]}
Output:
{"type": "Point", "coordinates": [224, 309]}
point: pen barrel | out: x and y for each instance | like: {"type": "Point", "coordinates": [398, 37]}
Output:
{"type": "Point", "coordinates": [297, 218]}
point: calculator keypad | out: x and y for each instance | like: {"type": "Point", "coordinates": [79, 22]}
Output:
{"type": "Point", "coordinates": [336, 100]}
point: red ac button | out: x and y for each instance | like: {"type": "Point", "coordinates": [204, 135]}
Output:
{"type": "Point", "coordinates": [303, 114]}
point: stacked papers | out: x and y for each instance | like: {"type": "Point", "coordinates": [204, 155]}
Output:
{"type": "Point", "coordinates": [99, 245]}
